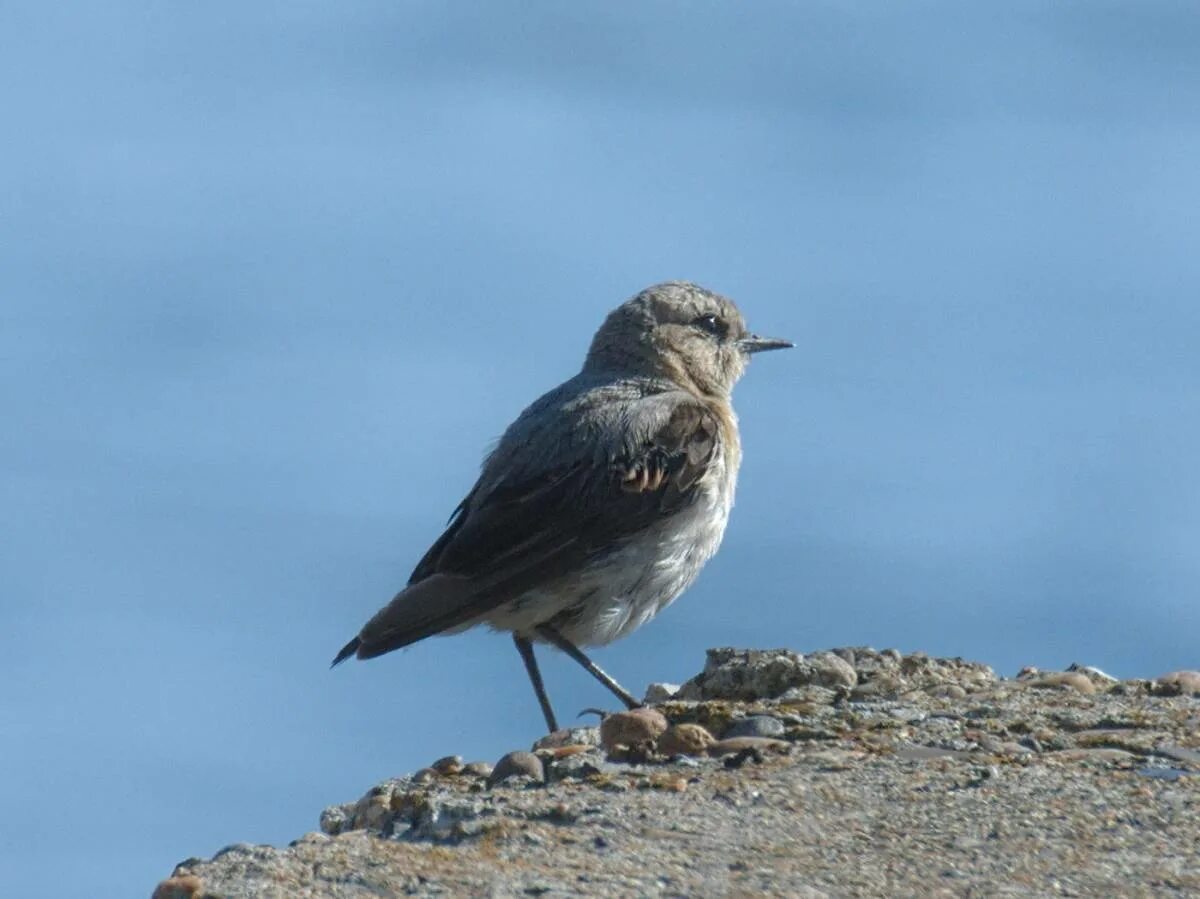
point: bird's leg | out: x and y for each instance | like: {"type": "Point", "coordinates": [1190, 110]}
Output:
{"type": "Point", "coordinates": [525, 648]}
{"type": "Point", "coordinates": [550, 635]}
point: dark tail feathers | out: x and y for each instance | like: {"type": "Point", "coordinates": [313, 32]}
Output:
{"type": "Point", "coordinates": [348, 650]}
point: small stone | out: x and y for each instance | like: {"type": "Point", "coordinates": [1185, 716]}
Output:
{"type": "Point", "coordinates": [424, 776]}
{"type": "Point", "coordinates": [517, 764]}
{"type": "Point", "coordinates": [672, 784]}
{"type": "Point", "coordinates": [755, 726]}
{"type": "Point", "coordinates": [450, 764]}
{"type": "Point", "coordinates": [311, 838]}
{"type": "Point", "coordinates": [182, 886]}
{"type": "Point", "coordinates": [562, 752]}
{"type": "Point", "coordinates": [570, 736]}
{"type": "Point", "coordinates": [334, 820]}
{"type": "Point", "coordinates": [1177, 683]}
{"type": "Point", "coordinates": [477, 769]}
{"type": "Point", "coordinates": [685, 739]}
{"type": "Point", "coordinates": [1095, 675]}
{"type": "Point", "coordinates": [882, 686]}
{"type": "Point", "coordinates": [929, 753]}
{"type": "Point", "coordinates": [580, 767]}
{"type": "Point", "coordinates": [832, 671]}
{"type": "Point", "coordinates": [741, 744]}
{"type": "Point", "coordinates": [1180, 754]}
{"type": "Point", "coordinates": [1063, 680]}
{"type": "Point", "coordinates": [373, 811]}
{"type": "Point", "coordinates": [633, 728]}
{"type": "Point", "coordinates": [1096, 756]}
{"type": "Point", "coordinates": [660, 693]}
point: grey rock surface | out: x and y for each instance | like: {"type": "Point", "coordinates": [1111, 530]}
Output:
{"type": "Point", "coordinates": [922, 776]}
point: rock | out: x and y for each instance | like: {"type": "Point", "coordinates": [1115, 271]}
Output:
{"type": "Point", "coordinates": [755, 726]}
{"type": "Point", "coordinates": [582, 767]}
{"type": "Point", "coordinates": [928, 753]}
{"type": "Point", "coordinates": [660, 693]}
{"type": "Point", "coordinates": [183, 886]}
{"type": "Point", "coordinates": [740, 744]}
{"type": "Point", "coordinates": [450, 764]}
{"type": "Point", "coordinates": [685, 739]}
{"type": "Point", "coordinates": [517, 764]}
{"type": "Point", "coordinates": [934, 786]}
{"type": "Point", "coordinates": [477, 769]}
{"type": "Point", "coordinates": [1180, 754]}
{"type": "Point", "coordinates": [373, 811]}
{"type": "Point", "coordinates": [765, 674]}
{"type": "Point", "coordinates": [571, 736]}
{"type": "Point", "coordinates": [1186, 683]}
{"type": "Point", "coordinates": [1095, 675]}
{"type": "Point", "coordinates": [1062, 680]}
{"type": "Point", "coordinates": [335, 820]}
{"type": "Point", "coordinates": [1095, 756]}
{"type": "Point", "coordinates": [562, 752]}
{"type": "Point", "coordinates": [637, 727]}
{"type": "Point", "coordinates": [880, 686]}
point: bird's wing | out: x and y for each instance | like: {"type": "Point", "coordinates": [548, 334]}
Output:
{"type": "Point", "coordinates": [521, 530]}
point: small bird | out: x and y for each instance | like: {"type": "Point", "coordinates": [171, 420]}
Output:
{"type": "Point", "coordinates": [601, 502]}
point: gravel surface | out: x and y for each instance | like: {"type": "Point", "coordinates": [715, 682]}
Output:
{"type": "Point", "coordinates": [846, 773]}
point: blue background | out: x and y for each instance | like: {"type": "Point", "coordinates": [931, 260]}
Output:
{"type": "Point", "coordinates": [274, 277]}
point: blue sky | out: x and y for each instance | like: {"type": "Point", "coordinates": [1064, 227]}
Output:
{"type": "Point", "coordinates": [274, 277]}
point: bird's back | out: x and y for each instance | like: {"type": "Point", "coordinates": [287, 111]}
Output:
{"type": "Point", "coordinates": [597, 507]}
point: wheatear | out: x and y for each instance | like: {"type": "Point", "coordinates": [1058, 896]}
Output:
{"type": "Point", "coordinates": [602, 501]}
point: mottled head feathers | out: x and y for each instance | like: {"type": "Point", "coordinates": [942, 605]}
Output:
{"type": "Point", "coordinates": [681, 331]}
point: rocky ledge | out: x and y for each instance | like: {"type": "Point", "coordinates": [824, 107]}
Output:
{"type": "Point", "coordinates": [843, 773]}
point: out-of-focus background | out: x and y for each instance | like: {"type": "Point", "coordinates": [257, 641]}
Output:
{"type": "Point", "coordinates": [274, 276]}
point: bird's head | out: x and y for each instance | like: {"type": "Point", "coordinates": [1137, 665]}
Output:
{"type": "Point", "coordinates": [679, 330]}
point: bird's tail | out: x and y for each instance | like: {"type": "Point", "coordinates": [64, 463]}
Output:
{"type": "Point", "coordinates": [348, 650]}
{"type": "Point", "coordinates": [420, 610]}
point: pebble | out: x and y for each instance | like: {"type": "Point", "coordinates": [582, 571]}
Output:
{"type": "Point", "coordinates": [685, 739]}
{"type": "Point", "coordinates": [1180, 754]}
{"type": "Point", "coordinates": [1102, 755]}
{"type": "Point", "coordinates": [633, 728]}
{"type": "Point", "coordinates": [1092, 673]}
{"type": "Point", "coordinates": [183, 886]}
{"type": "Point", "coordinates": [334, 820]}
{"type": "Point", "coordinates": [755, 726]}
{"type": "Point", "coordinates": [1177, 682]}
{"type": "Point", "coordinates": [740, 744]}
{"type": "Point", "coordinates": [660, 693]}
{"type": "Point", "coordinates": [517, 764]}
{"type": "Point", "coordinates": [1063, 680]}
{"type": "Point", "coordinates": [581, 767]}
{"type": "Point", "coordinates": [450, 764]}
{"type": "Point", "coordinates": [562, 752]}
{"type": "Point", "coordinates": [929, 753]}
{"type": "Point", "coordinates": [570, 736]}
{"type": "Point", "coordinates": [831, 670]}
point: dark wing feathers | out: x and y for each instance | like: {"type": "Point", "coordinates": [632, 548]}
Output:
{"type": "Point", "coordinates": [527, 532]}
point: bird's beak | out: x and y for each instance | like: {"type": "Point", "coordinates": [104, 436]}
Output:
{"type": "Point", "coordinates": [752, 343]}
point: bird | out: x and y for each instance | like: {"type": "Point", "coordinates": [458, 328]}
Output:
{"type": "Point", "coordinates": [601, 502]}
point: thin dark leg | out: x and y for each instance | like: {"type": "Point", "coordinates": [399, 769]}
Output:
{"type": "Point", "coordinates": [550, 635]}
{"type": "Point", "coordinates": [525, 648]}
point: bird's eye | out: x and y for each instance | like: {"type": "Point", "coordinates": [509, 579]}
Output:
{"type": "Point", "coordinates": [711, 324]}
